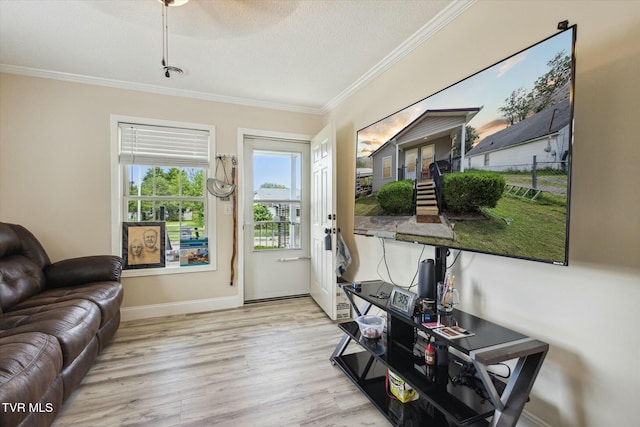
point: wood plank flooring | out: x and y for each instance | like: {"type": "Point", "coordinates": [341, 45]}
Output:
{"type": "Point", "coordinates": [265, 364]}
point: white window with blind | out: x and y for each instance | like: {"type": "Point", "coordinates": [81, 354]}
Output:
{"type": "Point", "coordinates": [159, 172]}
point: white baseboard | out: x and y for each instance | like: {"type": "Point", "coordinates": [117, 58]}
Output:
{"type": "Point", "coordinates": [174, 308]}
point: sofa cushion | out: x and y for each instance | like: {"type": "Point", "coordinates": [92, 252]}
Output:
{"type": "Point", "coordinates": [106, 295]}
{"type": "Point", "coordinates": [29, 366]}
{"type": "Point", "coordinates": [83, 270]}
{"type": "Point", "coordinates": [22, 263]}
{"type": "Point", "coordinates": [74, 323]}
{"type": "Point", "coordinates": [20, 278]}
{"type": "Point", "coordinates": [9, 241]}
{"type": "Point", "coordinates": [17, 240]}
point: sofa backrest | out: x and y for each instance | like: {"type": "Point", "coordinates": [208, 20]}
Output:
{"type": "Point", "coordinates": [22, 261]}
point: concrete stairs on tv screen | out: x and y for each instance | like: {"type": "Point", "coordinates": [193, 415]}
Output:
{"type": "Point", "coordinates": [426, 202]}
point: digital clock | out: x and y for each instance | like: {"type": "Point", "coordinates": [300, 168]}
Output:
{"type": "Point", "coordinates": [402, 301]}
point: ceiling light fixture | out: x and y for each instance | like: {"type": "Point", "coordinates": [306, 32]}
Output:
{"type": "Point", "coordinates": [168, 69]}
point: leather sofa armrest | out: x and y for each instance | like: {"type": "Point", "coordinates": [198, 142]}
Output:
{"type": "Point", "coordinates": [79, 271]}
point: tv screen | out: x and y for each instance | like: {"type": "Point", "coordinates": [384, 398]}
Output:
{"type": "Point", "coordinates": [483, 165]}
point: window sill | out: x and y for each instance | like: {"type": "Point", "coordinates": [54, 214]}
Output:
{"type": "Point", "coordinates": [167, 270]}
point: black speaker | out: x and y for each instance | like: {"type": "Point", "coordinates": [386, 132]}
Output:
{"type": "Point", "coordinates": [427, 279]}
{"type": "Point", "coordinates": [442, 354]}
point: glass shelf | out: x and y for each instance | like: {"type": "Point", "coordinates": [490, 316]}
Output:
{"type": "Point", "coordinates": [442, 399]}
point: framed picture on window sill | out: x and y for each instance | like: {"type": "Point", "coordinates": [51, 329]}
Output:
{"type": "Point", "coordinates": [143, 245]}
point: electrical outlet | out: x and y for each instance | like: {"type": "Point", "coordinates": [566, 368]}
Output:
{"type": "Point", "coordinates": [228, 209]}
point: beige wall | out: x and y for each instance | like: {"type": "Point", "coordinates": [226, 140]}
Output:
{"type": "Point", "coordinates": [588, 312]}
{"type": "Point", "coordinates": [55, 175]}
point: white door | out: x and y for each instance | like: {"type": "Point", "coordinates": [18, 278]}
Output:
{"type": "Point", "coordinates": [323, 220]}
{"type": "Point", "coordinates": [276, 218]}
{"type": "Point", "coordinates": [427, 154]}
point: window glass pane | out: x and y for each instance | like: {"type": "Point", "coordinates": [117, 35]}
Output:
{"type": "Point", "coordinates": [386, 167]}
{"type": "Point", "coordinates": [136, 175]}
{"type": "Point", "coordinates": [171, 211]}
{"type": "Point", "coordinates": [193, 182]}
{"type": "Point", "coordinates": [277, 175]}
{"type": "Point", "coordinates": [167, 181]}
{"type": "Point", "coordinates": [193, 214]}
{"type": "Point", "coordinates": [194, 245]}
{"type": "Point", "coordinates": [173, 233]}
{"type": "Point", "coordinates": [277, 226]}
{"type": "Point", "coordinates": [134, 187]}
{"type": "Point", "coordinates": [133, 210]}
{"type": "Point", "coordinates": [141, 180]}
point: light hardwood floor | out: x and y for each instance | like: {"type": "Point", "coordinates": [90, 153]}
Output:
{"type": "Point", "coordinates": [265, 364]}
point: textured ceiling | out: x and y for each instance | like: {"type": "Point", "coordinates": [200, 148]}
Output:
{"type": "Point", "coordinates": [301, 55]}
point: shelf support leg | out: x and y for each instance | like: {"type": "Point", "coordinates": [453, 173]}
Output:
{"type": "Point", "coordinates": [362, 310]}
{"type": "Point", "coordinates": [346, 339]}
{"type": "Point", "coordinates": [530, 354]}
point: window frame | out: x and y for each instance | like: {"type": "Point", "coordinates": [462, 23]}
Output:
{"type": "Point", "coordinates": [118, 190]}
{"type": "Point", "coordinates": [385, 176]}
{"type": "Point", "coordinates": [411, 164]}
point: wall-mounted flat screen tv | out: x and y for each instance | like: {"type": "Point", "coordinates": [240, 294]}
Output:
{"type": "Point", "coordinates": [483, 165]}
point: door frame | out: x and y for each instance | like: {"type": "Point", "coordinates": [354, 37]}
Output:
{"type": "Point", "coordinates": [242, 133]}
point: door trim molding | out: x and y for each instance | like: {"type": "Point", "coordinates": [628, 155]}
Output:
{"type": "Point", "coordinates": [242, 134]}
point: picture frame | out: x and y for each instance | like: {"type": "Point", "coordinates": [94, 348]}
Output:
{"type": "Point", "coordinates": [143, 245]}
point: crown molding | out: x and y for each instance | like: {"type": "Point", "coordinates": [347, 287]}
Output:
{"type": "Point", "coordinates": [141, 87]}
{"type": "Point", "coordinates": [438, 22]}
{"type": "Point", "coordinates": [426, 32]}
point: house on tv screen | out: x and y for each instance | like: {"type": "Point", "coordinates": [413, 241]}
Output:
{"type": "Point", "coordinates": [541, 139]}
{"type": "Point", "coordinates": [428, 138]}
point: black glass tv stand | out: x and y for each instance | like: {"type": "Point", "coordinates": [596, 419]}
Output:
{"type": "Point", "coordinates": [442, 403]}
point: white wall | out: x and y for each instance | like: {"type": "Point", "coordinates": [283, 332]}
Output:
{"type": "Point", "coordinates": [587, 311]}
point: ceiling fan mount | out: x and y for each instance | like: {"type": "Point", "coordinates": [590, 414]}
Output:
{"type": "Point", "coordinates": [168, 69]}
{"type": "Point", "coordinates": [173, 2]}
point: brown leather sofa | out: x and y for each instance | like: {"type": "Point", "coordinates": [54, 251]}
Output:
{"type": "Point", "coordinates": [54, 320]}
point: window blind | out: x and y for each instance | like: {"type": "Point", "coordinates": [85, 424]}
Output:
{"type": "Point", "coordinates": [163, 146]}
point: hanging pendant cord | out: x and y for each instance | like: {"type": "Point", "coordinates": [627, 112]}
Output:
{"type": "Point", "coordinates": [165, 39]}
{"type": "Point", "coordinates": [164, 36]}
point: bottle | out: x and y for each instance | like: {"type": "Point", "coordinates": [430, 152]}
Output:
{"type": "Point", "coordinates": [430, 355]}
{"type": "Point", "coordinates": [430, 362]}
